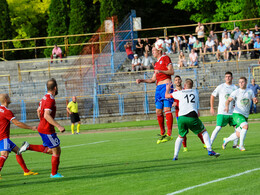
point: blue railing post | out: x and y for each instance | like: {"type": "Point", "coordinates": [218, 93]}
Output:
{"type": "Point", "coordinates": [121, 104]}
{"type": "Point", "coordinates": [146, 102]}
{"type": "Point", "coordinates": [133, 14]}
{"type": "Point", "coordinates": [112, 59]}
{"type": "Point", "coordinates": [23, 111]}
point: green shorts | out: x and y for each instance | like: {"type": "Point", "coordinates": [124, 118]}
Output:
{"type": "Point", "coordinates": [223, 120]}
{"type": "Point", "coordinates": [239, 119]}
{"type": "Point", "coordinates": [186, 123]}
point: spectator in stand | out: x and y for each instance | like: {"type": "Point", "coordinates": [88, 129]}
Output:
{"type": "Point", "coordinates": [128, 50]}
{"type": "Point", "coordinates": [176, 43]}
{"type": "Point", "coordinates": [226, 41]}
{"type": "Point", "coordinates": [182, 60]}
{"type": "Point", "coordinates": [256, 52]}
{"type": "Point", "coordinates": [193, 58]}
{"type": "Point", "coordinates": [256, 31]}
{"type": "Point", "coordinates": [136, 63]}
{"type": "Point", "coordinates": [197, 47]}
{"type": "Point", "coordinates": [242, 35]}
{"type": "Point", "coordinates": [200, 33]}
{"type": "Point", "coordinates": [246, 42]}
{"type": "Point", "coordinates": [192, 40]}
{"type": "Point", "coordinates": [222, 51]}
{"type": "Point", "coordinates": [147, 46]}
{"type": "Point", "coordinates": [255, 89]}
{"type": "Point", "coordinates": [139, 47]}
{"type": "Point", "coordinates": [168, 43]}
{"type": "Point", "coordinates": [235, 49]}
{"type": "Point", "coordinates": [209, 46]}
{"type": "Point", "coordinates": [56, 52]}
{"type": "Point", "coordinates": [224, 32]}
{"type": "Point", "coordinates": [236, 33]}
{"type": "Point", "coordinates": [183, 43]}
{"type": "Point", "coordinates": [250, 33]}
{"type": "Point", "coordinates": [147, 62]}
{"type": "Point", "coordinates": [213, 37]}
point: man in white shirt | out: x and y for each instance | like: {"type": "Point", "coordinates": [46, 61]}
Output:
{"type": "Point", "coordinates": [147, 62]}
{"type": "Point", "coordinates": [176, 43]}
{"type": "Point", "coordinates": [168, 43]}
{"type": "Point", "coordinates": [226, 41]}
{"type": "Point", "coordinates": [188, 116]}
{"type": "Point", "coordinates": [192, 40]}
{"type": "Point", "coordinates": [136, 63]}
{"type": "Point", "coordinates": [209, 46]}
{"type": "Point", "coordinates": [242, 97]}
{"type": "Point", "coordinates": [223, 118]}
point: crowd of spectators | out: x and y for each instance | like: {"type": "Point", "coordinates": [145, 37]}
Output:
{"type": "Point", "coordinates": [229, 45]}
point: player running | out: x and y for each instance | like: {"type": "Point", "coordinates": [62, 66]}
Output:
{"type": "Point", "coordinates": [163, 70]}
{"type": "Point", "coordinates": [242, 97]}
{"type": "Point", "coordinates": [6, 145]}
{"type": "Point", "coordinates": [51, 143]}
{"type": "Point", "coordinates": [223, 118]}
{"type": "Point", "coordinates": [189, 116]}
{"type": "Point", "coordinates": [178, 87]}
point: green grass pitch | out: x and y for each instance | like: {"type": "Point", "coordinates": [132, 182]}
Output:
{"type": "Point", "coordinates": [130, 162]}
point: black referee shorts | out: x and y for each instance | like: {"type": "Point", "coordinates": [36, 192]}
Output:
{"type": "Point", "coordinates": [74, 117]}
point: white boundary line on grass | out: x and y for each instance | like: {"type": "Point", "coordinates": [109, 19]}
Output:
{"type": "Point", "coordinates": [72, 146]}
{"type": "Point", "coordinates": [214, 181]}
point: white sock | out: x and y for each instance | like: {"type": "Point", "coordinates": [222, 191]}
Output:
{"type": "Point", "coordinates": [207, 140]}
{"type": "Point", "coordinates": [232, 137]}
{"type": "Point", "coordinates": [214, 134]}
{"type": "Point", "coordinates": [177, 148]}
{"type": "Point", "coordinates": [242, 137]}
{"type": "Point", "coordinates": [235, 141]}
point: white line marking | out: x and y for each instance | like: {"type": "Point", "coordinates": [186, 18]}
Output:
{"type": "Point", "coordinates": [85, 144]}
{"type": "Point", "coordinates": [214, 181]}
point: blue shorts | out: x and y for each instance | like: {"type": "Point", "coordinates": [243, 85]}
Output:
{"type": "Point", "coordinates": [160, 100]}
{"type": "Point", "coordinates": [50, 140]}
{"type": "Point", "coordinates": [6, 145]}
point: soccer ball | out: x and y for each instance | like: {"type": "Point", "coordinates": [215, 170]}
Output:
{"type": "Point", "coordinates": [160, 45]}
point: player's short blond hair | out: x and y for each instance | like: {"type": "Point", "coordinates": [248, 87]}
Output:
{"type": "Point", "coordinates": [189, 83]}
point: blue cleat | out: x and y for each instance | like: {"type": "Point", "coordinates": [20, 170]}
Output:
{"type": "Point", "coordinates": [212, 153]}
{"type": "Point", "coordinates": [175, 158]}
{"type": "Point", "coordinates": [58, 175]}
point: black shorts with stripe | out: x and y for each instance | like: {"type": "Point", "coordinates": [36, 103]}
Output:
{"type": "Point", "coordinates": [74, 117]}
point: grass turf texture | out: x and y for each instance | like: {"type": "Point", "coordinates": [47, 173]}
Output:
{"type": "Point", "coordinates": [131, 162]}
{"type": "Point", "coordinates": [131, 124]}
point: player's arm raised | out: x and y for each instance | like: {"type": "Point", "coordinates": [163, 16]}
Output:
{"type": "Point", "coordinates": [170, 70]}
{"type": "Point", "coordinates": [151, 80]}
{"type": "Point", "coordinates": [212, 111]}
{"type": "Point", "coordinates": [227, 104]}
{"type": "Point", "coordinates": [23, 125]}
{"type": "Point", "coordinates": [48, 117]}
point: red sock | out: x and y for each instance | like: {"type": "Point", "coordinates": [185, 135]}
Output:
{"type": "Point", "coordinates": [21, 162]}
{"type": "Point", "coordinates": [169, 121]}
{"type": "Point", "coordinates": [201, 137]}
{"type": "Point", "coordinates": [55, 161]}
{"type": "Point", "coordinates": [160, 119]}
{"type": "Point", "coordinates": [37, 148]}
{"type": "Point", "coordinates": [184, 142]}
{"type": "Point", "coordinates": [2, 161]}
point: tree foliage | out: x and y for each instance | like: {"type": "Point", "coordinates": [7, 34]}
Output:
{"type": "Point", "coordinates": [109, 8]}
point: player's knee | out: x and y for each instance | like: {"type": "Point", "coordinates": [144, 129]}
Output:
{"type": "Point", "coordinates": [5, 153]}
{"type": "Point", "coordinates": [159, 112]}
{"type": "Point", "coordinates": [244, 125]}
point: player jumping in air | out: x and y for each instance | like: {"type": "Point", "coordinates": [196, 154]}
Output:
{"type": "Point", "coordinates": [178, 87]}
{"type": "Point", "coordinates": [242, 97]}
{"type": "Point", "coordinates": [189, 116]}
{"type": "Point", "coordinates": [51, 143]}
{"type": "Point", "coordinates": [223, 118]}
{"type": "Point", "coordinates": [163, 70]}
{"type": "Point", "coordinates": [6, 145]}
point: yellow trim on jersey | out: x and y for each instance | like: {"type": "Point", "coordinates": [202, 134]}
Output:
{"type": "Point", "coordinates": [73, 107]}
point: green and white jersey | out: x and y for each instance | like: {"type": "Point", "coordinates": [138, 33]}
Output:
{"type": "Point", "coordinates": [243, 99]}
{"type": "Point", "coordinates": [223, 91]}
{"type": "Point", "coordinates": [188, 101]}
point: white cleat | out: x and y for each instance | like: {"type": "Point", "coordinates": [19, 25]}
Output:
{"type": "Point", "coordinates": [23, 147]}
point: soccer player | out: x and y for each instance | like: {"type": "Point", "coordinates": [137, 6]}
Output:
{"type": "Point", "coordinates": [72, 109]}
{"type": "Point", "coordinates": [223, 118]}
{"type": "Point", "coordinates": [189, 116]}
{"type": "Point", "coordinates": [6, 145]}
{"type": "Point", "coordinates": [242, 97]}
{"type": "Point", "coordinates": [177, 82]}
{"type": "Point", "coordinates": [163, 70]}
{"type": "Point", "coordinates": [51, 143]}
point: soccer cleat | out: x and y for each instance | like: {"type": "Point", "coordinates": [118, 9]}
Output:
{"type": "Point", "coordinates": [204, 146]}
{"type": "Point", "coordinates": [212, 153]}
{"type": "Point", "coordinates": [224, 144]}
{"type": "Point", "coordinates": [30, 173]}
{"type": "Point", "coordinates": [185, 149]}
{"type": "Point", "coordinates": [78, 133]}
{"type": "Point", "coordinates": [160, 139]}
{"type": "Point", "coordinates": [58, 175]}
{"type": "Point", "coordinates": [166, 138]}
{"type": "Point", "coordinates": [242, 149]}
{"type": "Point", "coordinates": [235, 146]}
{"type": "Point", "coordinates": [175, 158]}
{"type": "Point", "coordinates": [23, 147]}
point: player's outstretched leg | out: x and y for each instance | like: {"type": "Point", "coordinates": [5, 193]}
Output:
{"type": "Point", "coordinates": [232, 137]}
{"type": "Point", "coordinates": [208, 144]}
{"type": "Point", "coordinates": [242, 139]}
{"type": "Point", "coordinates": [177, 148]}
{"type": "Point", "coordinates": [184, 143]}
{"type": "Point", "coordinates": [214, 134]}
{"type": "Point", "coordinates": [37, 148]}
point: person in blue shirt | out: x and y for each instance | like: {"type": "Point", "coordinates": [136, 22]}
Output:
{"type": "Point", "coordinates": [256, 52]}
{"type": "Point", "coordinates": [222, 50]}
{"type": "Point", "coordinates": [255, 89]}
